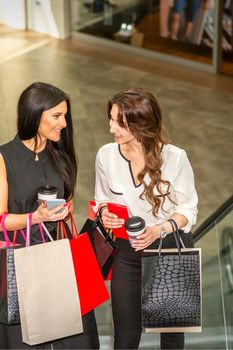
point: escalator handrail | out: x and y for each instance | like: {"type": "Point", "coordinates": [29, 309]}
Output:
{"type": "Point", "coordinates": [213, 219]}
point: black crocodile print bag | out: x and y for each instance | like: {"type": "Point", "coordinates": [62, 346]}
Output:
{"type": "Point", "coordinates": [171, 288]}
{"type": "Point", "coordinates": [9, 306]}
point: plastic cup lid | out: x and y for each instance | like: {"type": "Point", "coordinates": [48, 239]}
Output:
{"type": "Point", "coordinates": [47, 189]}
{"type": "Point", "coordinates": [135, 223]}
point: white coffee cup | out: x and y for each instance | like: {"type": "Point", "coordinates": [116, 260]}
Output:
{"type": "Point", "coordinates": [134, 226]}
{"type": "Point", "coordinates": [47, 192]}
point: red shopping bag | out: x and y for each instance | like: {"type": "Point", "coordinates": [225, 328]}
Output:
{"type": "Point", "coordinates": [91, 286]}
{"type": "Point", "coordinates": [90, 211]}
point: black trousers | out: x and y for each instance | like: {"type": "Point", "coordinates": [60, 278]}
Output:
{"type": "Point", "coordinates": [126, 298]}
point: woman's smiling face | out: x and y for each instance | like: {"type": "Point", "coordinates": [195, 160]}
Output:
{"type": "Point", "coordinates": [121, 134]}
{"type": "Point", "coordinates": [52, 122]}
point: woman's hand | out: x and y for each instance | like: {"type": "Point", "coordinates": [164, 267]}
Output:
{"type": "Point", "coordinates": [151, 234]}
{"type": "Point", "coordinates": [111, 220]}
{"type": "Point", "coordinates": [43, 214]}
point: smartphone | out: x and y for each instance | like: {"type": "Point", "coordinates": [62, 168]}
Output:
{"type": "Point", "coordinates": [122, 212]}
{"type": "Point", "coordinates": [53, 203]}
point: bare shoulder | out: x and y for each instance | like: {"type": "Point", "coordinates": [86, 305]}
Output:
{"type": "Point", "coordinates": [3, 186]}
{"type": "Point", "coordinates": [2, 167]}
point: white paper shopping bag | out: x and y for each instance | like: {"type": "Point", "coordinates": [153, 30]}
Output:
{"type": "Point", "coordinates": [47, 290]}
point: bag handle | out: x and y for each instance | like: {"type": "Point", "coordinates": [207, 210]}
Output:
{"type": "Point", "coordinates": [41, 232]}
{"type": "Point", "coordinates": [175, 232]}
{"type": "Point", "coordinates": [15, 235]}
{"type": "Point", "coordinates": [63, 230]}
{"type": "Point", "coordinates": [28, 229]}
{"type": "Point", "coordinates": [175, 228]}
{"type": "Point", "coordinates": [96, 217]}
{"type": "Point", "coordinates": [26, 236]}
{"type": "Point", "coordinates": [107, 233]}
{"type": "Point", "coordinates": [41, 225]}
{"type": "Point", "coordinates": [7, 239]}
{"type": "Point", "coordinates": [161, 245]}
{"type": "Point", "coordinates": [74, 230]}
{"type": "Point", "coordinates": [176, 237]}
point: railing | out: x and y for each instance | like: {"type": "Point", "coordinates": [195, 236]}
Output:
{"type": "Point", "coordinates": [213, 219]}
{"type": "Point", "coordinates": [215, 237]}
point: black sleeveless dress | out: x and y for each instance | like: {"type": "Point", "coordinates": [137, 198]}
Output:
{"type": "Point", "coordinates": [25, 175]}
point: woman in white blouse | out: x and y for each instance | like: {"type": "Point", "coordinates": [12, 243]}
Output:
{"type": "Point", "coordinates": [154, 179]}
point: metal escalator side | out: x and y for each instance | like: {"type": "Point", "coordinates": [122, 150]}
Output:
{"type": "Point", "coordinates": [215, 237]}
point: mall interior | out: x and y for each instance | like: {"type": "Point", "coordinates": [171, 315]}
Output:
{"type": "Point", "coordinates": [94, 48]}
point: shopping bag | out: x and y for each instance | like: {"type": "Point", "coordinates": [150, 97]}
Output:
{"type": "Point", "coordinates": [171, 289]}
{"type": "Point", "coordinates": [90, 211]}
{"type": "Point", "coordinates": [9, 307]}
{"type": "Point", "coordinates": [102, 243]}
{"type": "Point", "coordinates": [102, 240]}
{"type": "Point", "coordinates": [47, 290]}
{"type": "Point", "coordinates": [90, 282]}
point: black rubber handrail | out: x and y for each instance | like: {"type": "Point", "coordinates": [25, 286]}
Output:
{"type": "Point", "coordinates": [213, 219]}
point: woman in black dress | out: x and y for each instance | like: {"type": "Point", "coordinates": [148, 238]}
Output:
{"type": "Point", "coordinates": [42, 153]}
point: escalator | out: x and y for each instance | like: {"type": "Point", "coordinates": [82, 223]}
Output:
{"type": "Point", "coordinates": [215, 237]}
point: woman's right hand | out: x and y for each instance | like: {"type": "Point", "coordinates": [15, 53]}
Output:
{"type": "Point", "coordinates": [111, 220]}
{"type": "Point", "coordinates": [44, 214]}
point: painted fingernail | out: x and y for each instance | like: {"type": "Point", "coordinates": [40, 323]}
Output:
{"type": "Point", "coordinates": [66, 205]}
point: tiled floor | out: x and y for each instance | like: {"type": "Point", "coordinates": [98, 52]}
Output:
{"type": "Point", "coordinates": [197, 106]}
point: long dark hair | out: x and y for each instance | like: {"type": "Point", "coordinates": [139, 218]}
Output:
{"type": "Point", "coordinates": [144, 120]}
{"type": "Point", "coordinates": [34, 100]}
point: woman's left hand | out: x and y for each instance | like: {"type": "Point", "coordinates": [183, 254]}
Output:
{"type": "Point", "coordinates": [150, 234]}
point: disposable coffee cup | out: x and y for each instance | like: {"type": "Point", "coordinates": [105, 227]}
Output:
{"type": "Point", "coordinates": [47, 192]}
{"type": "Point", "coordinates": [134, 226]}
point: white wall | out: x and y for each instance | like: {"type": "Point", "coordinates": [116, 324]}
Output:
{"type": "Point", "coordinates": [12, 13]}
{"type": "Point", "coordinates": [40, 17]}
{"type": "Point", "coordinates": [44, 16]}
{"type": "Point", "coordinates": [61, 13]}
{"type": "Point", "coordinates": [75, 13]}
{"type": "Point", "coordinates": [49, 17]}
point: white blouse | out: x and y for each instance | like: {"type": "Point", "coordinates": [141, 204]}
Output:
{"type": "Point", "coordinates": [115, 183]}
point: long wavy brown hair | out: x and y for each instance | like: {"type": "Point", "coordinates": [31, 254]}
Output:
{"type": "Point", "coordinates": [143, 117]}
